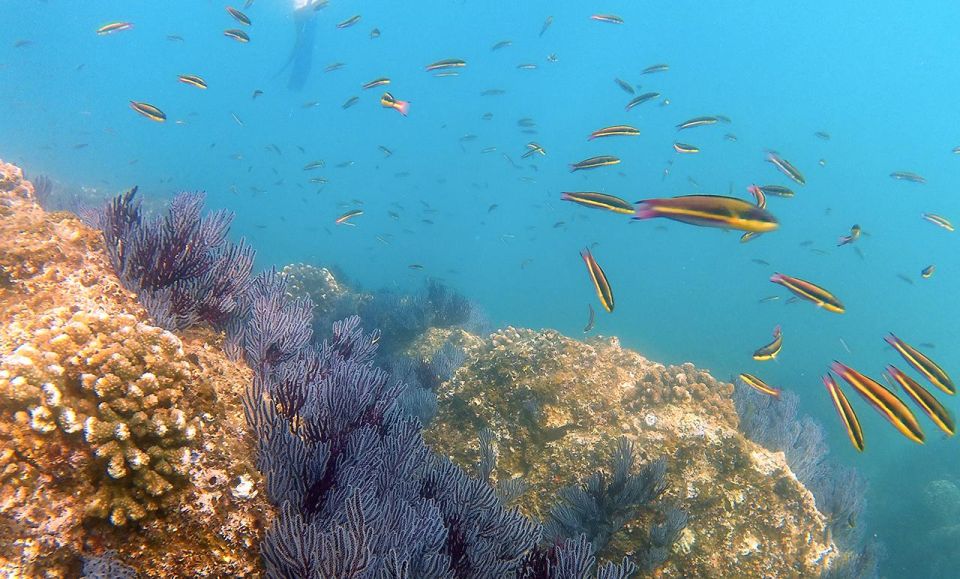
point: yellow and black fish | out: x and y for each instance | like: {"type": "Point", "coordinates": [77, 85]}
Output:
{"type": "Point", "coordinates": [446, 63]}
{"type": "Point", "coordinates": [376, 82]}
{"type": "Point", "coordinates": [599, 200]}
{"type": "Point", "coordinates": [192, 80]}
{"type": "Point", "coordinates": [759, 385]}
{"type": "Point", "coordinates": [533, 148]}
{"type": "Point", "coordinates": [114, 27]}
{"type": "Point", "coordinates": [786, 168]}
{"type": "Point", "coordinates": [344, 219]}
{"type": "Point", "coordinates": [759, 195]}
{"type": "Point", "coordinates": [594, 162]}
{"type": "Point", "coordinates": [639, 100]}
{"type": "Point", "coordinates": [937, 413]}
{"type": "Point", "coordinates": [770, 351]}
{"type": "Point", "coordinates": [149, 111]}
{"type": "Point", "coordinates": [847, 415]}
{"type": "Point", "coordinates": [810, 292]}
{"type": "Point", "coordinates": [238, 35]}
{"type": "Point", "coordinates": [938, 220]}
{"type": "Point", "coordinates": [238, 16]}
{"type": "Point", "coordinates": [613, 131]}
{"type": "Point", "coordinates": [685, 148]}
{"type": "Point", "coordinates": [697, 122]}
{"type": "Point", "coordinates": [930, 370]}
{"type": "Point", "coordinates": [349, 22]}
{"type": "Point", "coordinates": [610, 18]}
{"type": "Point", "coordinates": [908, 176]}
{"type": "Point", "coordinates": [884, 401]}
{"type": "Point", "coordinates": [709, 211]}
{"type": "Point", "coordinates": [855, 232]}
{"type": "Point", "coordinates": [655, 68]}
{"type": "Point", "coordinates": [927, 272]}
{"type": "Point", "coordinates": [388, 101]}
{"type": "Point", "coordinates": [599, 279]}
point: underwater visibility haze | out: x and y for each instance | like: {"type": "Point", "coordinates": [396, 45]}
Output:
{"type": "Point", "coordinates": [478, 289]}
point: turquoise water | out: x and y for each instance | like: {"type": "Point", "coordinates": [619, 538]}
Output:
{"type": "Point", "coordinates": [880, 80]}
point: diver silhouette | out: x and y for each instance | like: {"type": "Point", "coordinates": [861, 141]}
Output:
{"type": "Point", "coordinates": [301, 57]}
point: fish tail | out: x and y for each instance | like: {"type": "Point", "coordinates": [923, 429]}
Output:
{"type": "Point", "coordinates": [776, 278]}
{"type": "Point", "coordinates": [645, 210]}
{"type": "Point", "coordinates": [403, 107]}
{"type": "Point", "coordinates": [778, 331]}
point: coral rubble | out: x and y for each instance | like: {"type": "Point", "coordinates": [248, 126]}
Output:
{"type": "Point", "coordinates": [554, 404]}
{"type": "Point", "coordinates": [114, 434]}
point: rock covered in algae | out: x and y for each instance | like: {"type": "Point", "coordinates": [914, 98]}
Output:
{"type": "Point", "coordinates": [556, 406]}
{"type": "Point", "coordinates": [106, 419]}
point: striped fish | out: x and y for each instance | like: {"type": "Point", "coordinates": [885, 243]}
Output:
{"type": "Point", "coordinates": [810, 292]}
{"type": "Point", "coordinates": [884, 401]}
{"type": "Point", "coordinates": [847, 415]}
{"type": "Point", "coordinates": [930, 370]}
{"type": "Point", "coordinates": [599, 279]}
{"type": "Point", "coordinates": [937, 413]}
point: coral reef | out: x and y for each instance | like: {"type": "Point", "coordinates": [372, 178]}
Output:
{"type": "Point", "coordinates": [554, 404]}
{"type": "Point", "coordinates": [76, 352]}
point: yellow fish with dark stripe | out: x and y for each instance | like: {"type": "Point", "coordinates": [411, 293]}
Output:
{"type": "Point", "coordinates": [847, 415]}
{"type": "Point", "coordinates": [927, 272]}
{"type": "Point", "coordinates": [614, 131]}
{"type": "Point", "coordinates": [238, 35]}
{"type": "Point", "coordinates": [238, 16]}
{"type": "Point", "coordinates": [685, 148]}
{"type": "Point", "coordinates": [810, 292]}
{"type": "Point", "coordinates": [938, 220]}
{"type": "Point", "coordinates": [193, 80]}
{"type": "Point", "coordinates": [149, 111]}
{"type": "Point", "coordinates": [709, 211]}
{"type": "Point", "coordinates": [770, 351]}
{"type": "Point", "coordinates": [937, 413]}
{"type": "Point", "coordinates": [114, 27]}
{"type": "Point", "coordinates": [446, 63]}
{"type": "Point", "coordinates": [759, 385]}
{"type": "Point", "coordinates": [376, 82]}
{"type": "Point", "coordinates": [599, 200]}
{"type": "Point", "coordinates": [599, 279]}
{"type": "Point", "coordinates": [884, 401]}
{"type": "Point", "coordinates": [697, 122]}
{"type": "Point", "coordinates": [930, 370]}
{"type": "Point", "coordinates": [594, 162]}
{"type": "Point", "coordinates": [786, 168]}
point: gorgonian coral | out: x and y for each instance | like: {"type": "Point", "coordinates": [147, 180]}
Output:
{"type": "Point", "coordinates": [112, 385]}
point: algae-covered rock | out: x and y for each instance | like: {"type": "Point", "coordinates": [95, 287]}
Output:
{"type": "Point", "coordinates": [555, 406]}
{"type": "Point", "coordinates": [108, 420]}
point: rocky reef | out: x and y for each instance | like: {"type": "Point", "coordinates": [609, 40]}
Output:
{"type": "Point", "coordinates": [114, 434]}
{"type": "Point", "coordinates": [554, 406]}
{"type": "Point", "coordinates": [124, 445]}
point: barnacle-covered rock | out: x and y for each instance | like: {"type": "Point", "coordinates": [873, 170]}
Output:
{"type": "Point", "coordinates": [555, 405]}
{"type": "Point", "coordinates": [325, 291]}
{"type": "Point", "coordinates": [106, 419]}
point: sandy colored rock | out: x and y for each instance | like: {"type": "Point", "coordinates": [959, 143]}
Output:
{"type": "Point", "coordinates": [58, 292]}
{"type": "Point", "coordinates": [557, 405]}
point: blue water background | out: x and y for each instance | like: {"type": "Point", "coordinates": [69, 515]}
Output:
{"type": "Point", "coordinates": [881, 78]}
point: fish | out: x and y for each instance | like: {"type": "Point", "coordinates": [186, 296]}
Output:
{"type": "Point", "coordinates": [599, 279]}
{"type": "Point", "coordinates": [149, 111]}
{"type": "Point", "coordinates": [349, 22]}
{"type": "Point", "coordinates": [810, 292]}
{"type": "Point", "coordinates": [239, 16]}
{"type": "Point", "coordinates": [594, 162]}
{"type": "Point", "coordinates": [930, 370]}
{"type": "Point", "coordinates": [533, 148]}
{"type": "Point", "coordinates": [23, 43]}
{"type": "Point", "coordinates": [926, 401]}
{"type": "Point", "coordinates": [777, 191]}
{"type": "Point", "coordinates": [386, 152]}
{"type": "Point", "coordinates": [822, 135]}
{"type": "Point", "coordinates": [174, 38]}
{"type": "Point", "coordinates": [697, 122]}
{"type": "Point", "coordinates": [590, 319]}
{"type": "Point", "coordinates": [344, 219]}
{"type": "Point", "coordinates": [770, 351]}
{"type": "Point", "coordinates": [908, 176]}
{"type": "Point", "coordinates": [256, 93]}
{"type": "Point", "coordinates": [847, 415]}
{"type": "Point", "coordinates": [546, 25]}
{"type": "Point", "coordinates": [446, 64]}
{"type": "Point", "coordinates": [374, 33]}
{"type": "Point", "coordinates": [938, 220]}
{"type": "Point", "coordinates": [526, 66]}
{"type": "Point", "coordinates": [501, 44]}
{"type": "Point", "coordinates": [114, 27]}
{"type": "Point", "coordinates": [758, 195]}
{"type": "Point", "coordinates": [730, 137]}
{"type": "Point", "coordinates": [927, 272]}
{"type": "Point", "coordinates": [759, 385]}
{"type": "Point", "coordinates": [624, 85]}
{"type": "Point", "coordinates": [685, 148]}
{"type": "Point", "coordinates": [786, 168]}
{"type": "Point", "coordinates": [760, 262]}
{"type": "Point", "coordinates": [334, 66]}
{"type": "Point", "coordinates": [614, 131]}
{"type": "Point", "coordinates": [655, 68]}
{"type": "Point", "coordinates": [768, 299]}
{"type": "Point", "coordinates": [192, 80]}
{"type": "Point", "coordinates": [639, 100]}
{"type": "Point", "coordinates": [883, 401]}
{"type": "Point", "coordinates": [599, 200]}
{"type": "Point", "coordinates": [415, 266]}
{"type": "Point", "coordinates": [238, 35]}
{"type": "Point", "coordinates": [350, 102]}
{"type": "Point", "coordinates": [493, 92]}
{"type": "Point", "coordinates": [526, 122]}
{"type": "Point", "coordinates": [388, 101]}
{"type": "Point", "coordinates": [315, 165]}
{"type": "Point", "coordinates": [854, 235]}
{"type": "Point", "coordinates": [610, 18]}
{"type": "Point", "coordinates": [709, 211]}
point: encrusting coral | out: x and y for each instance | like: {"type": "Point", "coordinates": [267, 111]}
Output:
{"type": "Point", "coordinates": [115, 383]}
{"type": "Point", "coordinates": [104, 416]}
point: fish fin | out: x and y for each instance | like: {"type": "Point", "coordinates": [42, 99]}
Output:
{"type": "Point", "coordinates": [776, 278]}
{"type": "Point", "coordinates": [644, 211]}
{"type": "Point", "coordinates": [403, 107]}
